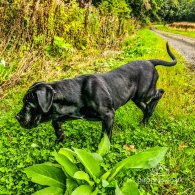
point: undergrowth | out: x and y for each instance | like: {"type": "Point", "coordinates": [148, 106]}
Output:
{"type": "Point", "coordinates": [172, 124]}
{"type": "Point", "coordinates": [40, 39]}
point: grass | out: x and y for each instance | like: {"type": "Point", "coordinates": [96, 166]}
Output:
{"type": "Point", "coordinates": [171, 125]}
{"type": "Point", "coordinates": [175, 30]}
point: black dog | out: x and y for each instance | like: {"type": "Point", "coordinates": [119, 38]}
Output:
{"type": "Point", "coordinates": [94, 96]}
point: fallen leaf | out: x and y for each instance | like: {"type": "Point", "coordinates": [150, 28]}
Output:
{"type": "Point", "coordinates": [182, 146]}
{"type": "Point", "coordinates": [129, 147]}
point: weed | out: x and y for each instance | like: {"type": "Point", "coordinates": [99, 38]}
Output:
{"type": "Point", "coordinates": [80, 171]}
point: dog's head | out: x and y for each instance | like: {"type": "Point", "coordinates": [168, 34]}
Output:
{"type": "Point", "coordinates": [37, 101]}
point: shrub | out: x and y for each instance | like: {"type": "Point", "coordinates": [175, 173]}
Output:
{"type": "Point", "coordinates": [59, 47]}
{"type": "Point", "coordinates": [83, 172]}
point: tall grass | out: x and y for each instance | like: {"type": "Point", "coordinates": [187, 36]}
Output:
{"type": "Point", "coordinates": [35, 34]}
{"type": "Point", "coordinates": [183, 25]}
{"type": "Point", "coordinates": [179, 28]}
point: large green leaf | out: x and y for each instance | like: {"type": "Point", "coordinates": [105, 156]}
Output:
{"type": "Point", "coordinates": [81, 175]}
{"type": "Point", "coordinates": [105, 183]}
{"type": "Point", "coordinates": [97, 157]}
{"type": "Point", "coordinates": [90, 164]}
{"type": "Point", "coordinates": [69, 167]}
{"type": "Point", "coordinates": [118, 190]}
{"type": "Point", "coordinates": [143, 160]}
{"type": "Point", "coordinates": [104, 146]}
{"type": "Point", "coordinates": [82, 190]}
{"type": "Point", "coordinates": [68, 153]}
{"type": "Point", "coordinates": [130, 187]}
{"type": "Point", "coordinates": [96, 191]}
{"type": "Point", "coordinates": [50, 191]}
{"type": "Point", "coordinates": [45, 174]}
{"type": "Point", "coordinates": [71, 184]}
{"type": "Point", "coordinates": [105, 175]}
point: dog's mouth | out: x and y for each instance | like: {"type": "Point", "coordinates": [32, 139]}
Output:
{"type": "Point", "coordinates": [29, 124]}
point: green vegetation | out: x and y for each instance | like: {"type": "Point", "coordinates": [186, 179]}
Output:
{"type": "Point", "coordinates": [172, 125]}
{"type": "Point", "coordinates": [177, 10]}
{"type": "Point", "coordinates": [44, 37]}
{"type": "Point", "coordinates": [180, 31]}
{"type": "Point", "coordinates": [158, 10]}
{"type": "Point", "coordinates": [56, 39]}
{"type": "Point", "coordinates": [83, 172]}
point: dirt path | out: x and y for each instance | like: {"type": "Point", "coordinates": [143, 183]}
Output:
{"type": "Point", "coordinates": [183, 44]}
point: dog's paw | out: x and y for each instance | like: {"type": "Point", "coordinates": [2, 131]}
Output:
{"type": "Point", "coordinates": [61, 139]}
{"type": "Point", "coordinates": [144, 122]}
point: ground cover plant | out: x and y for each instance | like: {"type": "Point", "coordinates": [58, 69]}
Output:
{"type": "Point", "coordinates": [182, 28]}
{"type": "Point", "coordinates": [172, 125]}
{"type": "Point", "coordinates": [82, 172]}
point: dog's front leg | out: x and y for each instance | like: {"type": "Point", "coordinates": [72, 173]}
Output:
{"type": "Point", "coordinates": [107, 124]}
{"type": "Point", "coordinates": [58, 130]}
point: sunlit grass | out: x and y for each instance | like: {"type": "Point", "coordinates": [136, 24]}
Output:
{"type": "Point", "coordinates": [172, 123]}
{"type": "Point", "coordinates": [180, 31]}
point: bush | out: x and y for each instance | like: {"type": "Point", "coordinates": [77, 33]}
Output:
{"type": "Point", "coordinates": [82, 172]}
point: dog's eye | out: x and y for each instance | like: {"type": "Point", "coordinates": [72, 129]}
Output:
{"type": "Point", "coordinates": [31, 105]}
{"type": "Point", "coordinates": [25, 100]}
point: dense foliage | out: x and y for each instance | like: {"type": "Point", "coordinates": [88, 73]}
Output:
{"type": "Point", "coordinates": [178, 10]}
{"type": "Point", "coordinates": [43, 30]}
{"type": "Point", "coordinates": [38, 30]}
{"type": "Point", "coordinates": [159, 10]}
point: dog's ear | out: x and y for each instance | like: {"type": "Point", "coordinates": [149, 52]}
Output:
{"type": "Point", "coordinates": [36, 84]}
{"type": "Point", "coordinates": [45, 96]}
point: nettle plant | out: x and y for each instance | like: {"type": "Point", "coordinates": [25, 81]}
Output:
{"type": "Point", "coordinates": [82, 172]}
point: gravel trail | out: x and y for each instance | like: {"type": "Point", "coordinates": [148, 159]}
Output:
{"type": "Point", "coordinates": [184, 45]}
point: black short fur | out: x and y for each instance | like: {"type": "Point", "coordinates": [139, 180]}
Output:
{"type": "Point", "coordinates": [94, 96]}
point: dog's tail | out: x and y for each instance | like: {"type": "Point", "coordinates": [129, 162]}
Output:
{"type": "Point", "coordinates": [164, 63]}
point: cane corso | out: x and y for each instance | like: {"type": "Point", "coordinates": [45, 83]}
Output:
{"type": "Point", "coordinates": [94, 96]}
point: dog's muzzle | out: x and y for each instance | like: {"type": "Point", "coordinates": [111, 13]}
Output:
{"type": "Point", "coordinates": [28, 124]}
{"type": "Point", "coordinates": [21, 120]}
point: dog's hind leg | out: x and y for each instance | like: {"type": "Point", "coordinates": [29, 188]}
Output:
{"type": "Point", "coordinates": [140, 105]}
{"type": "Point", "coordinates": [151, 105]}
{"type": "Point", "coordinates": [107, 123]}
